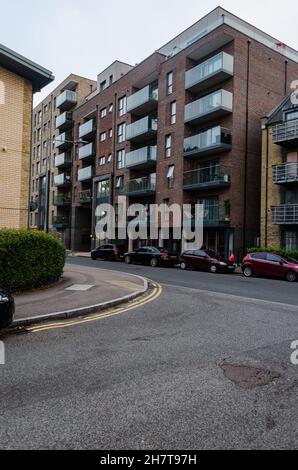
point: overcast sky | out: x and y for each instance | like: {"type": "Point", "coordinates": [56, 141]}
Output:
{"type": "Point", "coordinates": [85, 36]}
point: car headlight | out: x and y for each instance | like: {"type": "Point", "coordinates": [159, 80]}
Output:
{"type": "Point", "coordinates": [223, 264]}
{"type": "Point", "coordinates": [4, 298]}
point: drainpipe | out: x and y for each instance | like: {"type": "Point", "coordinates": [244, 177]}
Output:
{"type": "Point", "coordinates": [246, 148]}
{"type": "Point", "coordinates": [30, 163]}
{"type": "Point", "coordinates": [286, 76]}
{"type": "Point", "coordinates": [266, 186]}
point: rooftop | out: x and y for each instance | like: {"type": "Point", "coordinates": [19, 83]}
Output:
{"type": "Point", "coordinates": [36, 74]}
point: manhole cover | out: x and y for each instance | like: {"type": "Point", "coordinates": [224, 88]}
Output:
{"type": "Point", "coordinates": [248, 377]}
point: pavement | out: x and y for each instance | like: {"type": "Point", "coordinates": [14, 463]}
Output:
{"type": "Point", "coordinates": [81, 290]}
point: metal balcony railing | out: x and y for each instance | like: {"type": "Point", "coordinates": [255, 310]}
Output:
{"type": "Point", "coordinates": [87, 128]}
{"type": "Point", "coordinates": [64, 140]}
{"type": "Point", "coordinates": [63, 159]}
{"type": "Point", "coordinates": [144, 126]}
{"type": "Point", "coordinates": [285, 214]}
{"type": "Point", "coordinates": [216, 138]}
{"type": "Point", "coordinates": [62, 200]}
{"type": "Point", "coordinates": [62, 179]}
{"type": "Point", "coordinates": [215, 175]}
{"type": "Point", "coordinates": [85, 196]}
{"type": "Point", "coordinates": [285, 173]}
{"type": "Point", "coordinates": [285, 132]}
{"type": "Point", "coordinates": [141, 156]}
{"type": "Point", "coordinates": [87, 151]}
{"type": "Point", "coordinates": [217, 68]}
{"type": "Point", "coordinates": [64, 120]}
{"type": "Point", "coordinates": [220, 102]}
{"type": "Point", "coordinates": [67, 99]}
{"type": "Point", "coordinates": [85, 174]}
{"type": "Point", "coordinates": [60, 221]}
{"type": "Point", "coordinates": [142, 97]}
{"type": "Point", "coordinates": [139, 186]}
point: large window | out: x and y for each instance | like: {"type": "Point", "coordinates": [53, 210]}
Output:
{"type": "Point", "coordinates": [122, 106]}
{"type": "Point", "coordinates": [173, 112]}
{"type": "Point", "coordinates": [171, 176]}
{"type": "Point", "coordinates": [168, 146]}
{"type": "Point", "coordinates": [121, 133]}
{"type": "Point", "coordinates": [169, 83]}
{"type": "Point", "coordinates": [103, 189]}
{"type": "Point", "coordinates": [292, 115]}
{"type": "Point", "coordinates": [121, 159]}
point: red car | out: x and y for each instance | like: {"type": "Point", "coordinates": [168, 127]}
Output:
{"type": "Point", "coordinates": [206, 260]}
{"type": "Point", "coordinates": [270, 265]}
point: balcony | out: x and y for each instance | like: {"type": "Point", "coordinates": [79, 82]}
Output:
{"type": "Point", "coordinates": [141, 158]}
{"type": "Point", "coordinates": [140, 187]}
{"type": "Point", "coordinates": [64, 121]}
{"type": "Point", "coordinates": [213, 140]}
{"type": "Point", "coordinates": [216, 214]}
{"type": "Point", "coordinates": [60, 222]}
{"type": "Point", "coordinates": [286, 133]}
{"type": "Point", "coordinates": [85, 197]}
{"type": "Point", "coordinates": [67, 100]}
{"type": "Point", "coordinates": [88, 129]}
{"type": "Point", "coordinates": [63, 160]}
{"type": "Point", "coordinates": [286, 173]}
{"type": "Point", "coordinates": [213, 106]}
{"type": "Point", "coordinates": [143, 129]}
{"type": "Point", "coordinates": [87, 152]}
{"type": "Point", "coordinates": [215, 176]}
{"type": "Point", "coordinates": [63, 141]}
{"type": "Point", "coordinates": [285, 214]}
{"type": "Point", "coordinates": [86, 174]}
{"type": "Point", "coordinates": [210, 73]}
{"type": "Point", "coordinates": [62, 200]}
{"type": "Point", "coordinates": [62, 180]}
{"type": "Point", "coordinates": [143, 101]}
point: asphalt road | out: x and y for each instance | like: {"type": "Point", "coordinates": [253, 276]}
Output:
{"type": "Point", "coordinates": [152, 378]}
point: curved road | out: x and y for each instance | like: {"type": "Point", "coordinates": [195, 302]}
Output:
{"type": "Point", "coordinates": [153, 378]}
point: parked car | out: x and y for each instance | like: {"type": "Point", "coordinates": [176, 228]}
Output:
{"type": "Point", "coordinates": [109, 252]}
{"type": "Point", "coordinates": [270, 265]}
{"type": "Point", "coordinates": [206, 260]}
{"type": "Point", "coordinates": [152, 256]}
{"type": "Point", "coordinates": [7, 308]}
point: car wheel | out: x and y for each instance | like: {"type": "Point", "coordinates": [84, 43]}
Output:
{"type": "Point", "coordinates": [291, 276]}
{"type": "Point", "coordinates": [183, 266]}
{"type": "Point", "coordinates": [213, 268]}
{"type": "Point", "coordinates": [153, 262]}
{"type": "Point", "coordinates": [93, 257]}
{"type": "Point", "coordinates": [127, 260]}
{"type": "Point", "coordinates": [247, 271]}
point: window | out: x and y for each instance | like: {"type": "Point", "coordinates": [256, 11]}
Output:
{"type": "Point", "coordinates": [261, 256]}
{"type": "Point", "coordinates": [291, 116]}
{"type": "Point", "coordinates": [119, 182]}
{"type": "Point", "coordinates": [169, 83]}
{"type": "Point", "coordinates": [111, 108]}
{"type": "Point", "coordinates": [111, 79]}
{"type": "Point", "coordinates": [38, 168]}
{"type": "Point", "coordinates": [173, 112]}
{"type": "Point", "coordinates": [122, 106]}
{"type": "Point", "coordinates": [38, 151]}
{"type": "Point", "coordinates": [46, 108]}
{"type": "Point", "coordinates": [103, 189]}
{"type": "Point", "coordinates": [103, 136]}
{"type": "Point", "coordinates": [121, 159]}
{"type": "Point", "coordinates": [121, 133]}
{"type": "Point", "coordinates": [39, 117]}
{"type": "Point", "coordinates": [273, 258]}
{"type": "Point", "coordinates": [38, 134]}
{"type": "Point", "coordinates": [291, 240]}
{"type": "Point", "coordinates": [110, 133]}
{"type": "Point", "coordinates": [110, 158]}
{"type": "Point", "coordinates": [170, 176]}
{"type": "Point", "coordinates": [102, 161]}
{"type": "Point", "coordinates": [103, 112]}
{"type": "Point", "coordinates": [168, 146]}
{"type": "Point", "coordinates": [103, 85]}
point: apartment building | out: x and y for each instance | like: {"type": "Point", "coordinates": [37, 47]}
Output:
{"type": "Point", "coordinates": [20, 78]}
{"type": "Point", "coordinates": [279, 196]}
{"type": "Point", "coordinates": [183, 126]}
{"type": "Point", "coordinates": [53, 144]}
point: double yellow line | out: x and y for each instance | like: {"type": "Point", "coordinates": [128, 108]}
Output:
{"type": "Point", "coordinates": [156, 292]}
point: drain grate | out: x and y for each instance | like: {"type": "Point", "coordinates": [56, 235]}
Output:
{"type": "Point", "coordinates": [248, 377]}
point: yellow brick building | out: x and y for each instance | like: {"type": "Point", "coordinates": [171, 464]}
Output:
{"type": "Point", "coordinates": [19, 80]}
{"type": "Point", "coordinates": [279, 196]}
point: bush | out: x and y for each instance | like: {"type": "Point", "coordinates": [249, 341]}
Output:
{"type": "Point", "coordinates": [278, 251]}
{"type": "Point", "coordinates": [29, 259]}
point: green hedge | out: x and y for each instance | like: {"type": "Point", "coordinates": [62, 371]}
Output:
{"type": "Point", "coordinates": [29, 259]}
{"type": "Point", "coordinates": [278, 251]}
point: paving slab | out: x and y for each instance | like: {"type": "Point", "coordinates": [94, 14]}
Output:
{"type": "Point", "coordinates": [79, 287]}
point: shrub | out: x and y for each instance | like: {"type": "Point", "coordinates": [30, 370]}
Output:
{"type": "Point", "coordinates": [278, 251]}
{"type": "Point", "coordinates": [29, 259]}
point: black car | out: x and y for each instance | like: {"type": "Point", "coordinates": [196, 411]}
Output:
{"type": "Point", "coordinates": [152, 256]}
{"type": "Point", "coordinates": [7, 308]}
{"type": "Point", "coordinates": [109, 252]}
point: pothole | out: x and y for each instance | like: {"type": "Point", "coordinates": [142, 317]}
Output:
{"type": "Point", "coordinates": [248, 377]}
